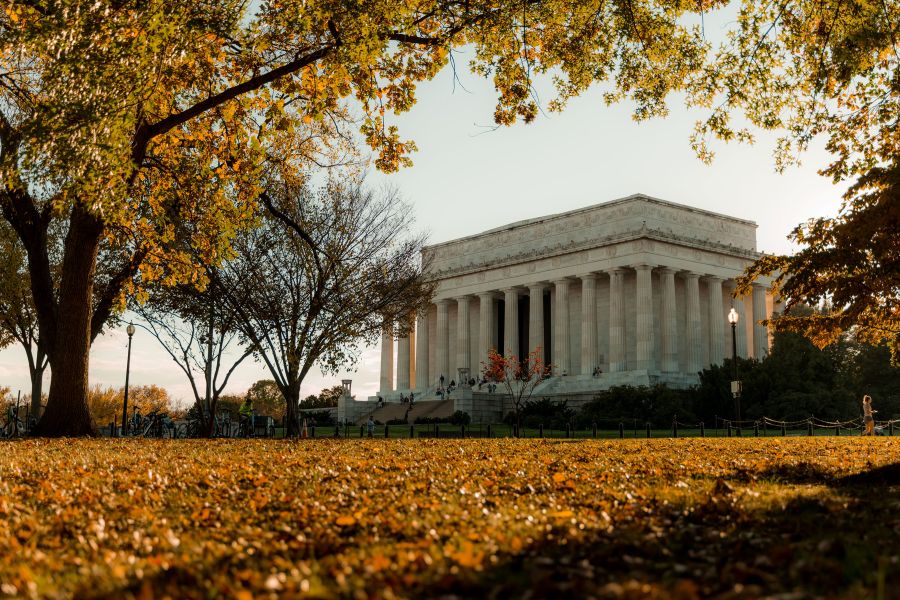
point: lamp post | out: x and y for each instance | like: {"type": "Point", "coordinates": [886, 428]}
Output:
{"type": "Point", "coordinates": [735, 383]}
{"type": "Point", "coordinates": [130, 331]}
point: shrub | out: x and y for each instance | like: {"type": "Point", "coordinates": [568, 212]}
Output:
{"type": "Point", "coordinates": [460, 418]}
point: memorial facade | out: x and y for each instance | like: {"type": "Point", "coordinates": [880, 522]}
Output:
{"type": "Point", "coordinates": [635, 291]}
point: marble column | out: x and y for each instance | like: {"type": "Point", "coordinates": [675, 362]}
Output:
{"type": "Point", "coordinates": [387, 361]}
{"type": "Point", "coordinates": [511, 322]}
{"type": "Point", "coordinates": [411, 323]}
{"type": "Point", "coordinates": [588, 323]}
{"type": "Point", "coordinates": [741, 326]}
{"type": "Point", "coordinates": [669, 321]}
{"type": "Point", "coordinates": [760, 331]}
{"type": "Point", "coordinates": [536, 318]}
{"type": "Point", "coordinates": [694, 362]}
{"type": "Point", "coordinates": [462, 335]}
{"type": "Point", "coordinates": [644, 317]}
{"type": "Point", "coordinates": [486, 341]}
{"type": "Point", "coordinates": [403, 363]}
{"type": "Point", "coordinates": [616, 320]}
{"type": "Point", "coordinates": [422, 382]}
{"type": "Point", "coordinates": [561, 328]}
{"type": "Point", "coordinates": [442, 349]}
{"type": "Point", "coordinates": [717, 320]}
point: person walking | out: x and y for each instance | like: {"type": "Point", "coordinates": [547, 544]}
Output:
{"type": "Point", "coordinates": [245, 417]}
{"type": "Point", "coordinates": [868, 417]}
{"type": "Point", "coordinates": [370, 426]}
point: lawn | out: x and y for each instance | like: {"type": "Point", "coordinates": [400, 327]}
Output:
{"type": "Point", "coordinates": [633, 518]}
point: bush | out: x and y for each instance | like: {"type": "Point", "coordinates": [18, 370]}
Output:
{"type": "Point", "coordinates": [460, 418]}
{"type": "Point", "coordinates": [656, 405]}
{"type": "Point", "coordinates": [549, 413]}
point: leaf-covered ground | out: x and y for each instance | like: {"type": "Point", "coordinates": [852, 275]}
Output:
{"type": "Point", "coordinates": [683, 518]}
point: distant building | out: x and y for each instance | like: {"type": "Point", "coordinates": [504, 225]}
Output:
{"type": "Point", "coordinates": [635, 291]}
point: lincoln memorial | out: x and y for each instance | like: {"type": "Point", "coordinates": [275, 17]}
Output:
{"type": "Point", "coordinates": [634, 291]}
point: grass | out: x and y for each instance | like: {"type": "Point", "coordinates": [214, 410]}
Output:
{"type": "Point", "coordinates": [683, 518]}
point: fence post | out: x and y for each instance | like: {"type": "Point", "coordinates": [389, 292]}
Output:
{"type": "Point", "coordinates": [755, 428]}
{"type": "Point", "coordinates": [891, 427]}
{"type": "Point", "coordinates": [516, 430]}
{"type": "Point", "coordinates": [809, 424]}
{"type": "Point", "coordinates": [412, 431]}
{"type": "Point", "coordinates": [729, 428]}
{"type": "Point", "coordinates": [837, 430]}
{"type": "Point", "coordinates": [621, 430]}
{"type": "Point", "coordinates": [437, 430]}
{"type": "Point", "coordinates": [594, 429]}
{"type": "Point", "coordinates": [674, 428]}
{"type": "Point", "coordinates": [361, 432]}
{"type": "Point", "coordinates": [312, 431]}
{"type": "Point", "coordinates": [765, 428]}
{"type": "Point", "coordinates": [541, 430]}
{"type": "Point", "coordinates": [387, 431]}
{"type": "Point", "coordinates": [489, 430]}
{"type": "Point", "coordinates": [462, 430]}
{"type": "Point", "coordinates": [568, 431]}
{"type": "Point", "coordinates": [648, 431]}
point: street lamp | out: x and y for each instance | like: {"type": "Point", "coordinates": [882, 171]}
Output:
{"type": "Point", "coordinates": [735, 383]}
{"type": "Point", "coordinates": [130, 331]}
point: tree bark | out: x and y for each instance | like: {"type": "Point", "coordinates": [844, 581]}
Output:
{"type": "Point", "coordinates": [67, 407]}
{"type": "Point", "coordinates": [37, 387]}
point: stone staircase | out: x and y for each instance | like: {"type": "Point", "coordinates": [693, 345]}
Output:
{"type": "Point", "coordinates": [420, 408]}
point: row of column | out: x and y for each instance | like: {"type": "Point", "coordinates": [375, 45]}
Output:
{"type": "Point", "coordinates": [412, 371]}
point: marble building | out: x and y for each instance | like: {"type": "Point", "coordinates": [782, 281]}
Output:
{"type": "Point", "coordinates": [633, 291]}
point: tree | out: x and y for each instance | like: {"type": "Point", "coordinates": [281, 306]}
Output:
{"type": "Point", "coordinates": [18, 321]}
{"type": "Point", "coordinates": [327, 398]}
{"type": "Point", "coordinates": [827, 69]}
{"type": "Point", "coordinates": [518, 375]}
{"type": "Point", "coordinates": [105, 403]}
{"type": "Point", "coordinates": [121, 119]}
{"type": "Point", "coordinates": [322, 275]}
{"type": "Point", "coordinates": [200, 334]}
{"type": "Point", "coordinates": [267, 398]}
{"type": "Point", "coordinates": [849, 264]}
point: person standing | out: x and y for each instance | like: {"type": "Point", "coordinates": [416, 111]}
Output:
{"type": "Point", "coordinates": [868, 418]}
{"type": "Point", "coordinates": [370, 426]}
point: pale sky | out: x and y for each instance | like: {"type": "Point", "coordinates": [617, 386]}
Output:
{"type": "Point", "coordinates": [469, 178]}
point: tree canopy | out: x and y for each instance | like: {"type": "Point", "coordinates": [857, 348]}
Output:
{"type": "Point", "coordinates": [128, 122]}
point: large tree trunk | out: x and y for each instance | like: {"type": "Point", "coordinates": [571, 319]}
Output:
{"type": "Point", "coordinates": [292, 420]}
{"type": "Point", "coordinates": [37, 387]}
{"type": "Point", "coordinates": [67, 408]}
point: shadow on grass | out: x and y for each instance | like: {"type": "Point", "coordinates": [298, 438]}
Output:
{"type": "Point", "coordinates": [835, 543]}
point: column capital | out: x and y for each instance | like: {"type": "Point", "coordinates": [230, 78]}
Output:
{"type": "Point", "coordinates": [664, 270]}
{"type": "Point", "coordinates": [712, 278]}
{"type": "Point", "coordinates": [643, 267]}
{"type": "Point", "coordinates": [540, 286]}
{"type": "Point", "coordinates": [512, 290]}
{"type": "Point", "coordinates": [690, 275]}
{"type": "Point", "coordinates": [463, 297]}
{"type": "Point", "coordinates": [561, 280]}
{"type": "Point", "coordinates": [583, 276]}
{"type": "Point", "coordinates": [442, 302]}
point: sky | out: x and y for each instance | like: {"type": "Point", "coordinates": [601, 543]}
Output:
{"type": "Point", "coordinates": [468, 177]}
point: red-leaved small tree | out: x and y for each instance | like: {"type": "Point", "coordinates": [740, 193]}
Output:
{"type": "Point", "coordinates": [519, 376]}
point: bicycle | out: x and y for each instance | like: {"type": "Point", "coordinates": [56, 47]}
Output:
{"type": "Point", "coordinates": [155, 424]}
